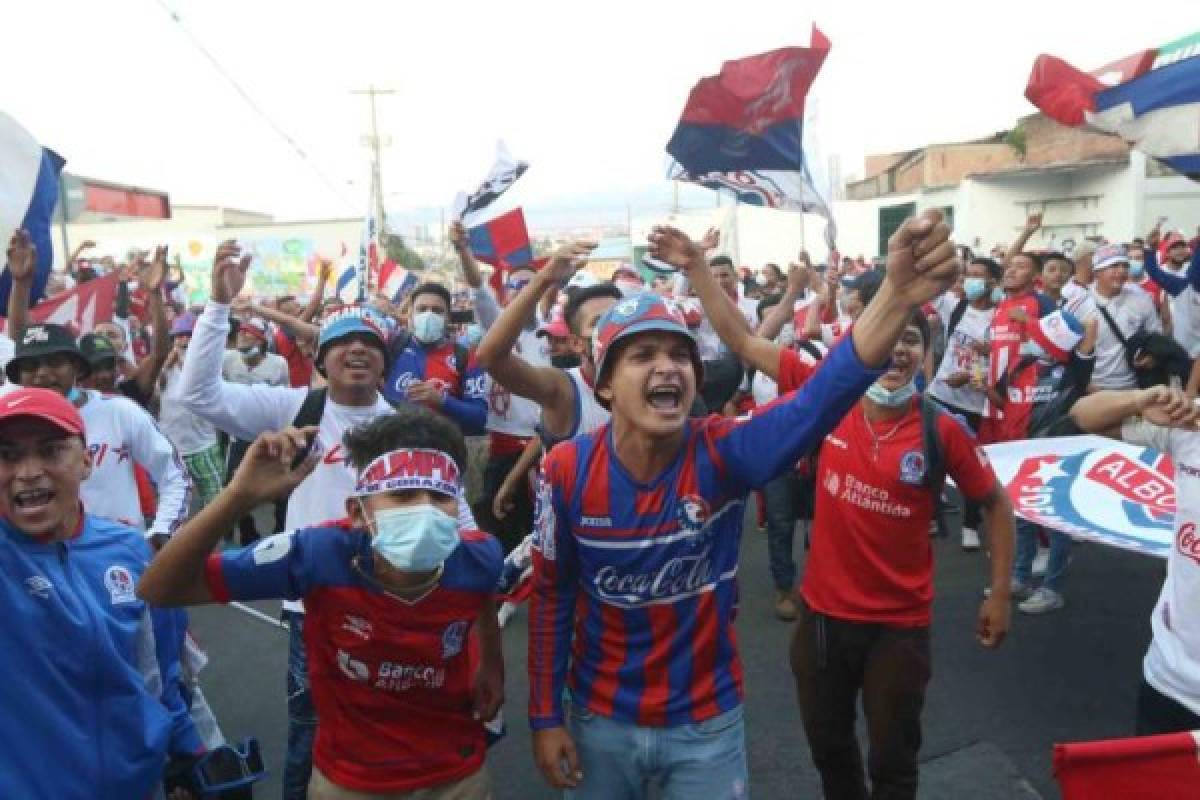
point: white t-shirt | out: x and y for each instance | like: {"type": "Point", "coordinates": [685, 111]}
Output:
{"type": "Point", "coordinates": [1072, 290]}
{"type": "Point", "coordinates": [189, 433]}
{"type": "Point", "coordinates": [119, 434]}
{"type": "Point", "coordinates": [973, 329]}
{"type": "Point", "coordinates": [246, 411]}
{"type": "Point", "coordinates": [1132, 310]}
{"type": "Point", "coordinates": [1172, 664]}
{"type": "Point", "coordinates": [271, 371]}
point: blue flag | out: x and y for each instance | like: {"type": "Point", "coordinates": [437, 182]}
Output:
{"type": "Point", "coordinates": [28, 193]}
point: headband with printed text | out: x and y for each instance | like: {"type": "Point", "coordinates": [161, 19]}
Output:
{"type": "Point", "coordinates": [431, 470]}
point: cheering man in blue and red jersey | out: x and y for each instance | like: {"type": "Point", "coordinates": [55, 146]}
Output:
{"type": "Point", "coordinates": [637, 535]}
{"type": "Point", "coordinates": [429, 369]}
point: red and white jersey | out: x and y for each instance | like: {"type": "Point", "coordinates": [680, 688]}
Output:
{"type": "Point", "coordinates": [871, 559]}
{"type": "Point", "coordinates": [391, 678]}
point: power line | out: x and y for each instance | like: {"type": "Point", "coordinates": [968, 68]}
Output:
{"type": "Point", "coordinates": [237, 87]}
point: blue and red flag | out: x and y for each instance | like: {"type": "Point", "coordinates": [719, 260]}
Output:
{"type": "Point", "coordinates": [502, 242]}
{"type": "Point", "coordinates": [1150, 99]}
{"type": "Point", "coordinates": [395, 281]}
{"type": "Point", "coordinates": [743, 129]}
{"type": "Point", "coordinates": [28, 193]}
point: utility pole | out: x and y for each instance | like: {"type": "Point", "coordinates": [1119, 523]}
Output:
{"type": "Point", "coordinates": [376, 144]}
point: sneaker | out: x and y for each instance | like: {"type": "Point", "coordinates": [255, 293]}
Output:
{"type": "Point", "coordinates": [1018, 590]}
{"type": "Point", "coordinates": [1040, 561]}
{"type": "Point", "coordinates": [785, 606]}
{"type": "Point", "coordinates": [1042, 601]}
{"type": "Point", "coordinates": [970, 539]}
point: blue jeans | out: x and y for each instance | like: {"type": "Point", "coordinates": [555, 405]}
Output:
{"type": "Point", "coordinates": [782, 496]}
{"type": "Point", "coordinates": [619, 760]}
{"type": "Point", "coordinates": [302, 718]}
{"type": "Point", "coordinates": [1060, 552]}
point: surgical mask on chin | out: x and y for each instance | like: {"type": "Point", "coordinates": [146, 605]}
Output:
{"type": "Point", "coordinates": [1031, 348]}
{"type": "Point", "coordinates": [565, 361]}
{"type": "Point", "coordinates": [998, 294]}
{"type": "Point", "coordinates": [628, 287]}
{"type": "Point", "coordinates": [428, 327]}
{"type": "Point", "coordinates": [974, 288]}
{"type": "Point", "coordinates": [1136, 269]}
{"type": "Point", "coordinates": [415, 538]}
{"type": "Point", "coordinates": [891, 398]}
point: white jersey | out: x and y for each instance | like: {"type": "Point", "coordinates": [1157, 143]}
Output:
{"type": "Point", "coordinates": [508, 413]}
{"type": "Point", "coordinates": [589, 414]}
{"type": "Point", "coordinates": [271, 371]}
{"type": "Point", "coordinates": [1131, 310]}
{"type": "Point", "coordinates": [120, 434]}
{"type": "Point", "coordinates": [961, 356]}
{"type": "Point", "coordinates": [1172, 664]}
{"type": "Point", "coordinates": [246, 411]}
{"type": "Point", "coordinates": [189, 433]}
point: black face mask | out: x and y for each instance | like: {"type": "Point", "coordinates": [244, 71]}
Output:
{"type": "Point", "coordinates": [568, 361]}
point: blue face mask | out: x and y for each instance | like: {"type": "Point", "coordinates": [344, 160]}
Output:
{"type": "Point", "coordinates": [428, 327]}
{"type": "Point", "coordinates": [474, 334]}
{"type": "Point", "coordinates": [1136, 269]}
{"type": "Point", "coordinates": [416, 538]}
{"type": "Point", "coordinates": [891, 398]}
{"type": "Point", "coordinates": [998, 294]}
{"type": "Point", "coordinates": [74, 395]}
{"type": "Point", "coordinates": [974, 288]}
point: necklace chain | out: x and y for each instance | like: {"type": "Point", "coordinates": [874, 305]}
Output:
{"type": "Point", "coordinates": [877, 438]}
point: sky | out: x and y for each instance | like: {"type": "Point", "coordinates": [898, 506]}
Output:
{"type": "Point", "coordinates": [588, 93]}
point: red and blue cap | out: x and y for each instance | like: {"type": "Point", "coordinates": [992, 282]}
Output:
{"type": "Point", "coordinates": [639, 313]}
{"type": "Point", "coordinates": [350, 320]}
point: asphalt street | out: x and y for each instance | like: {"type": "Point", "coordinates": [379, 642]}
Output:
{"type": "Point", "coordinates": [991, 718]}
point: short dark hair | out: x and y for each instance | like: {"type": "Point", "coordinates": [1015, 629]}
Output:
{"type": "Point", "coordinates": [994, 270]}
{"type": "Point", "coordinates": [580, 295]}
{"type": "Point", "coordinates": [429, 287]}
{"type": "Point", "coordinates": [1034, 257]}
{"type": "Point", "coordinates": [411, 426]}
{"type": "Point", "coordinates": [870, 283]}
{"type": "Point", "coordinates": [720, 261]}
{"type": "Point", "coordinates": [1056, 256]}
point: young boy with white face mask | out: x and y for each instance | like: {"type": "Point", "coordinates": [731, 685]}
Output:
{"type": "Point", "coordinates": [391, 592]}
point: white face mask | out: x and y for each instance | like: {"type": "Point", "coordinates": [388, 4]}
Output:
{"type": "Point", "coordinates": [428, 327]}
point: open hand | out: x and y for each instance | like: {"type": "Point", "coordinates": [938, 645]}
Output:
{"type": "Point", "coordinates": [229, 271]}
{"type": "Point", "coordinates": [566, 260]}
{"type": "Point", "coordinates": [150, 274]}
{"type": "Point", "coordinates": [1033, 222]}
{"type": "Point", "coordinates": [674, 247]}
{"type": "Point", "coordinates": [711, 240]}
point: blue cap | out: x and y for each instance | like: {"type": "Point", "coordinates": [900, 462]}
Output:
{"type": "Point", "coordinates": [350, 320]}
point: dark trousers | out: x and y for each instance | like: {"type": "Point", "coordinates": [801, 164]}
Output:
{"type": "Point", "coordinates": [302, 717]}
{"type": "Point", "coordinates": [1157, 713]}
{"type": "Point", "coordinates": [247, 530]}
{"type": "Point", "coordinates": [518, 523]}
{"type": "Point", "coordinates": [783, 509]}
{"type": "Point", "coordinates": [834, 661]}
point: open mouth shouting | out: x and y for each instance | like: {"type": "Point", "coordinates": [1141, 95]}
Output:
{"type": "Point", "coordinates": [32, 501]}
{"type": "Point", "coordinates": [666, 398]}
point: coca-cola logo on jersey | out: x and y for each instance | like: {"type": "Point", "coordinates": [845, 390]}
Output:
{"type": "Point", "coordinates": [1188, 542]}
{"type": "Point", "coordinates": [681, 576]}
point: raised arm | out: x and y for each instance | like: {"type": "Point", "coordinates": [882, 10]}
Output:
{"type": "Point", "coordinates": [785, 310]}
{"type": "Point", "coordinates": [546, 386]}
{"type": "Point", "coordinates": [150, 277]}
{"type": "Point", "coordinates": [296, 326]}
{"type": "Point", "coordinates": [313, 307]}
{"type": "Point", "coordinates": [176, 576]}
{"type": "Point", "coordinates": [462, 247]}
{"type": "Point", "coordinates": [1103, 412]}
{"type": "Point", "coordinates": [22, 258]}
{"type": "Point", "coordinates": [155, 453]}
{"type": "Point", "coordinates": [1031, 225]}
{"type": "Point", "coordinates": [724, 316]}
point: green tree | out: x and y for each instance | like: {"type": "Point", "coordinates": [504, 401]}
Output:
{"type": "Point", "coordinates": [401, 253]}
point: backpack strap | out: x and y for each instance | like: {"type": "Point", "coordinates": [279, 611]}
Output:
{"type": "Point", "coordinates": [312, 409]}
{"type": "Point", "coordinates": [935, 461]}
{"type": "Point", "coordinates": [461, 361]}
{"type": "Point", "coordinates": [956, 316]}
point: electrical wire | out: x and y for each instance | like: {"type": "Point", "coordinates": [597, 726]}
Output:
{"type": "Point", "coordinates": [237, 87]}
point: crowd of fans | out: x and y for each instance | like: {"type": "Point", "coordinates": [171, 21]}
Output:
{"type": "Point", "coordinates": [626, 421]}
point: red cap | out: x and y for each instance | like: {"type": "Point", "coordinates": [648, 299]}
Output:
{"type": "Point", "coordinates": [254, 327]}
{"type": "Point", "coordinates": [43, 404]}
{"type": "Point", "coordinates": [557, 326]}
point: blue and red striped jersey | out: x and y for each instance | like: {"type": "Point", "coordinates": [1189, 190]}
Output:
{"type": "Point", "coordinates": [391, 678]}
{"type": "Point", "coordinates": [635, 583]}
{"type": "Point", "coordinates": [464, 386]}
